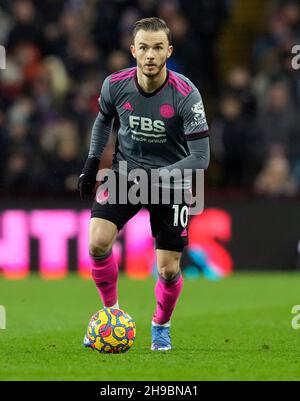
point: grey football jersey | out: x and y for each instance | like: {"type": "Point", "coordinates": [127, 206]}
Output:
{"type": "Point", "coordinates": [154, 127]}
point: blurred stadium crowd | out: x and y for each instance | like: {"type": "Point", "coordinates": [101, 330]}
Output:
{"type": "Point", "coordinates": [59, 52]}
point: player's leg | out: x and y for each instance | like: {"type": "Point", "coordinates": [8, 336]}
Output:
{"type": "Point", "coordinates": [168, 286]}
{"type": "Point", "coordinates": [169, 227]}
{"type": "Point", "coordinates": [107, 219]}
{"type": "Point", "coordinates": [167, 292]}
{"type": "Point", "coordinates": [102, 234]}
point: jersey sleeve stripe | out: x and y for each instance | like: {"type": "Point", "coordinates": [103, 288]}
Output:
{"type": "Point", "coordinates": [183, 91]}
{"type": "Point", "coordinates": [123, 77]}
{"type": "Point", "coordinates": [196, 135]}
{"type": "Point", "coordinates": [183, 87]}
{"type": "Point", "coordinates": [181, 82]}
{"type": "Point", "coordinates": [119, 74]}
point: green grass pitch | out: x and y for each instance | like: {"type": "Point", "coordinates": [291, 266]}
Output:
{"type": "Point", "coordinates": [238, 328]}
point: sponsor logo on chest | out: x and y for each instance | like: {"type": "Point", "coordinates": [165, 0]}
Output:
{"type": "Point", "coordinates": [146, 125]}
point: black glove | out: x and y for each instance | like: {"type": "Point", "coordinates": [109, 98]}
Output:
{"type": "Point", "coordinates": [87, 180]}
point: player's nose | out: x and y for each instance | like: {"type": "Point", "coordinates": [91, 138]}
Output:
{"type": "Point", "coordinates": [150, 54]}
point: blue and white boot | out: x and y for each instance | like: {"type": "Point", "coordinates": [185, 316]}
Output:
{"type": "Point", "coordinates": [161, 339]}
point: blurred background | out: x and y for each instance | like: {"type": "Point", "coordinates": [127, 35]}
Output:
{"type": "Point", "coordinates": [237, 52]}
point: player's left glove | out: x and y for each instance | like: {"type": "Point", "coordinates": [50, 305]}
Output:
{"type": "Point", "coordinates": [87, 180]}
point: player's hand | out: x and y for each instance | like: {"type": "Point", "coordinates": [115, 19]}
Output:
{"type": "Point", "coordinates": [87, 179]}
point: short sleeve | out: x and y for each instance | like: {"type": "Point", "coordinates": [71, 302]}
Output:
{"type": "Point", "coordinates": [106, 105]}
{"type": "Point", "coordinates": [193, 114]}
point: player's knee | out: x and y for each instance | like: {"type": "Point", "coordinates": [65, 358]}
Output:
{"type": "Point", "coordinates": [99, 246]}
{"type": "Point", "coordinates": [168, 273]}
{"type": "Point", "coordinates": [169, 268]}
{"type": "Point", "coordinates": [101, 237]}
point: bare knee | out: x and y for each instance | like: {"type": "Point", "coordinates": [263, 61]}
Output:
{"type": "Point", "coordinates": [99, 247]}
{"type": "Point", "coordinates": [168, 267]}
{"type": "Point", "coordinates": [101, 237]}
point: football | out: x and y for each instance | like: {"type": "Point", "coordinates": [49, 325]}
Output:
{"type": "Point", "coordinates": [111, 331]}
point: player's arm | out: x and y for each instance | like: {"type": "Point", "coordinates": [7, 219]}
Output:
{"type": "Point", "coordinates": [198, 158]}
{"type": "Point", "coordinates": [196, 134]}
{"type": "Point", "coordinates": [99, 137]}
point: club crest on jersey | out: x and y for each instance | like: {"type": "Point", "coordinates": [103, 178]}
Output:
{"type": "Point", "coordinates": [166, 111]}
{"type": "Point", "coordinates": [199, 114]}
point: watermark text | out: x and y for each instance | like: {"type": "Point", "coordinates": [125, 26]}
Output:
{"type": "Point", "coordinates": [296, 59]}
{"type": "Point", "coordinates": [2, 318]}
{"type": "Point", "coordinates": [296, 319]}
{"type": "Point", "coordinates": [155, 186]}
{"type": "Point", "coordinates": [2, 58]}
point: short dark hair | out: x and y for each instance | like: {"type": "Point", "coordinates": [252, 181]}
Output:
{"type": "Point", "coordinates": [152, 24]}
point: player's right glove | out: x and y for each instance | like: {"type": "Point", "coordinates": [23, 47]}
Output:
{"type": "Point", "coordinates": [87, 179]}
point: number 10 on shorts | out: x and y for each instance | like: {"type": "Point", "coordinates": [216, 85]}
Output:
{"type": "Point", "coordinates": [182, 215]}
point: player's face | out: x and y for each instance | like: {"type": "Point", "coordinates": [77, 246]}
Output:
{"type": "Point", "coordinates": [151, 50]}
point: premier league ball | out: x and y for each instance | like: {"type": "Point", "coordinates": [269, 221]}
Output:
{"type": "Point", "coordinates": [111, 331]}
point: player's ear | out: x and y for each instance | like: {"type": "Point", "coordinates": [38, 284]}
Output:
{"type": "Point", "coordinates": [170, 51]}
{"type": "Point", "coordinates": [132, 49]}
